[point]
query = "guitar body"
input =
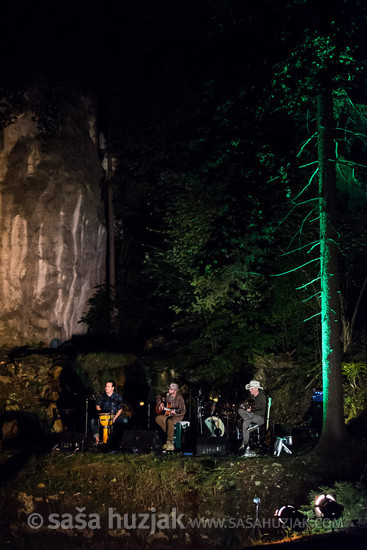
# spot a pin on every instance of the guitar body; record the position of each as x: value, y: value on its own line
x: 249, y: 405
x: 167, y: 410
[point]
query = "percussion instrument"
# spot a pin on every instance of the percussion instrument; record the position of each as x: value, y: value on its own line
x: 215, y: 426
x: 211, y: 409
x: 105, y: 420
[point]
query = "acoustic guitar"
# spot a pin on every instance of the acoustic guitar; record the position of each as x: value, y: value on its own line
x: 167, y: 409
x: 248, y: 405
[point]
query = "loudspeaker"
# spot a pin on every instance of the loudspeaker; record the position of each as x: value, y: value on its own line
x: 71, y: 441
x: 211, y: 446
x: 140, y: 441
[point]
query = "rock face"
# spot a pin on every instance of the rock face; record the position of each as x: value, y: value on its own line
x: 290, y: 386
x: 52, y: 231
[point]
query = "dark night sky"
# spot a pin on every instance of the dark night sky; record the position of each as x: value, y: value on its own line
x: 153, y: 49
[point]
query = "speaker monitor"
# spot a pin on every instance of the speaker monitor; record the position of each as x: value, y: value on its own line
x: 140, y: 441
x: 211, y: 446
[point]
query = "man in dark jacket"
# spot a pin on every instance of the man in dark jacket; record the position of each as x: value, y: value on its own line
x: 109, y: 402
x: 252, y: 411
x: 170, y: 409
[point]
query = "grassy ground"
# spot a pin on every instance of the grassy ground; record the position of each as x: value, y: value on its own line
x: 115, y: 493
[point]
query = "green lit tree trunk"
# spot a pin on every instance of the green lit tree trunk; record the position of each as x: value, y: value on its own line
x: 334, y: 430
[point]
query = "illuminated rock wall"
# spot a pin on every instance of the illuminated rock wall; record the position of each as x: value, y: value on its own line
x: 52, y: 232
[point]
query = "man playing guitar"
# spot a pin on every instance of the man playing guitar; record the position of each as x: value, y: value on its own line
x: 252, y: 411
x: 170, y: 409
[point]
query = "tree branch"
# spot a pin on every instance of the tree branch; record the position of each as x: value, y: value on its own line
x: 296, y: 268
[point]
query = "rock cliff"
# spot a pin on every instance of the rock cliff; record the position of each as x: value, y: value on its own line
x: 52, y: 231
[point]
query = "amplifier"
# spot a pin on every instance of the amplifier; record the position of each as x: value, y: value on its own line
x: 211, y: 446
x: 140, y: 441
x: 71, y: 441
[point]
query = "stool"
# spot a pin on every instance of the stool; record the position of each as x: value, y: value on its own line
x: 280, y: 444
x: 254, y: 439
x: 253, y: 426
x: 179, y: 429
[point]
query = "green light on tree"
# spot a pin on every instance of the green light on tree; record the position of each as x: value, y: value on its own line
x: 334, y: 431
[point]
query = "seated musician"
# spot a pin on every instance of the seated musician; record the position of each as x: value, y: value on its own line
x: 110, y: 402
x: 170, y: 409
x: 253, y: 410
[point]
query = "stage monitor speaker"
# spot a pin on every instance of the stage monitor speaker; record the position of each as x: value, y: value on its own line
x: 71, y: 441
x: 140, y: 441
x: 211, y: 446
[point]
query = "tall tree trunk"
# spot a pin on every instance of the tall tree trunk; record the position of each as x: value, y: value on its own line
x: 334, y: 430
x: 107, y: 164
x: 111, y: 268
x: 110, y: 227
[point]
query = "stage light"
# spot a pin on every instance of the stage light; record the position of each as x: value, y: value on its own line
x: 291, y: 518
x: 256, y: 531
x: 326, y: 507
x: 141, y: 403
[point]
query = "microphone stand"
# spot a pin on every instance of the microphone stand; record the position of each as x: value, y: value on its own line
x: 190, y: 404
x: 86, y: 416
x: 87, y: 413
x: 199, y: 413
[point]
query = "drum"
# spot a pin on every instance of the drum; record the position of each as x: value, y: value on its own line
x: 105, y: 420
x: 227, y: 409
x: 215, y: 426
x: 210, y: 408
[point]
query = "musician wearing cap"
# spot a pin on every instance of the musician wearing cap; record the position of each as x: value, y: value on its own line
x: 252, y: 411
x: 170, y: 409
